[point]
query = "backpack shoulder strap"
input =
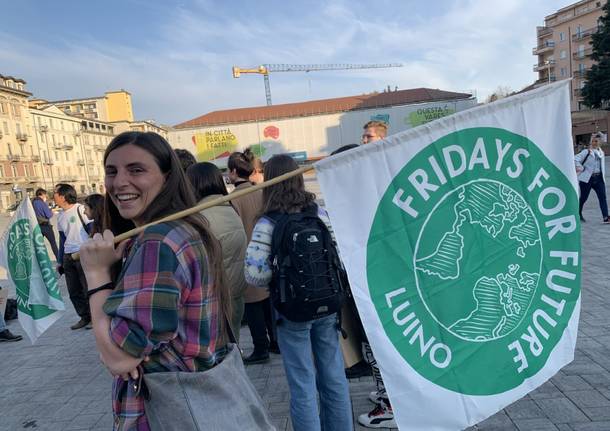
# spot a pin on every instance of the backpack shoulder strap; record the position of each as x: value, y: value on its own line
x: 586, y: 157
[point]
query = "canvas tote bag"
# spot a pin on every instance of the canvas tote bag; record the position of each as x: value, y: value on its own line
x: 219, y: 399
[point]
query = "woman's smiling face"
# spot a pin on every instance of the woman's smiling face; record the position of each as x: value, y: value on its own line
x: 133, y: 181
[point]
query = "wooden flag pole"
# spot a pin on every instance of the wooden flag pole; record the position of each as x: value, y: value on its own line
x: 206, y: 205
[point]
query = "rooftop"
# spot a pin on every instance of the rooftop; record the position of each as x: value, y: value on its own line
x: 324, y: 106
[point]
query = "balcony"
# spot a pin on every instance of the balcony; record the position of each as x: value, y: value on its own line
x: 58, y: 146
x: 548, y: 45
x: 68, y: 146
x: 80, y: 162
x: 48, y: 161
x: 580, y: 74
x: 577, y: 92
x: 580, y: 55
x: 33, y: 179
x: 23, y: 137
x: 35, y: 158
x: 13, y: 158
x: 545, y: 80
x: 99, y: 147
x: 544, y: 31
x: 583, y: 34
x: 549, y: 64
x: 44, y: 129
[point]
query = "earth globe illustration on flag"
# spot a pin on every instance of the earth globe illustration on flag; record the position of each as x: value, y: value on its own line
x: 479, y: 267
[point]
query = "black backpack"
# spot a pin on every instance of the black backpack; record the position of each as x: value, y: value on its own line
x: 308, y: 277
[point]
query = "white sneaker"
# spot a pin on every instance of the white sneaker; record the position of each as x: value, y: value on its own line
x: 377, y: 396
x: 380, y: 417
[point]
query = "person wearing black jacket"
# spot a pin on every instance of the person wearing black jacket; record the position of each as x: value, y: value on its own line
x: 44, y: 215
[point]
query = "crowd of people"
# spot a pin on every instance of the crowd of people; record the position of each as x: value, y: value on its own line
x: 173, y: 297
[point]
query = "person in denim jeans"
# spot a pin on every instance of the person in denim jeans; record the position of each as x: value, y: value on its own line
x: 591, y: 171
x: 310, y: 350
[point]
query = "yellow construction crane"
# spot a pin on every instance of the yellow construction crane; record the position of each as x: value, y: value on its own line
x: 266, y: 69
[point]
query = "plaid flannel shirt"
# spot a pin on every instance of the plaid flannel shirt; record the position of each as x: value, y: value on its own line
x: 163, y: 306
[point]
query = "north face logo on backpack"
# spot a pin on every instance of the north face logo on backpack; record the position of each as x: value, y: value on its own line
x: 312, y: 238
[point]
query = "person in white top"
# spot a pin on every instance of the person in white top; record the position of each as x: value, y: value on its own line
x: 591, y: 171
x: 71, y: 222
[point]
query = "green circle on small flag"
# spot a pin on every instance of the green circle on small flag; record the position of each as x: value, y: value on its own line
x: 26, y: 245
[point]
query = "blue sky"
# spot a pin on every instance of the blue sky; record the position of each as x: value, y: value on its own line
x: 175, y: 57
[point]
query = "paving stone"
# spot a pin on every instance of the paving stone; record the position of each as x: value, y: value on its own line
x: 591, y: 426
x: 590, y: 398
x: 535, y: 424
x: 524, y: 409
x: 597, y: 413
x: 569, y: 383
x: 561, y: 410
x: 498, y: 422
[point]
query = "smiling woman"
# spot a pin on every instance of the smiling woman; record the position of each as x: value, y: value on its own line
x: 158, y: 301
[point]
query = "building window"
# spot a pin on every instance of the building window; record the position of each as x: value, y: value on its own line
x: 3, y: 108
x: 67, y: 156
x: 562, y: 36
x: 6, y: 131
x: 581, y: 68
x: 18, y: 128
x: 562, y: 54
x: 1, y: 171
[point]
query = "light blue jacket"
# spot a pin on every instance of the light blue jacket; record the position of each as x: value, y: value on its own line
x: 585, y: 170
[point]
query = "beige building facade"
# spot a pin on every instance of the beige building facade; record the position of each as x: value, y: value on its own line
x: 140, y: 126
x: 43, y: 143
x: 71, y: 149
x: 112, y: 106
x: 19, y: 157
x: 563, y: 47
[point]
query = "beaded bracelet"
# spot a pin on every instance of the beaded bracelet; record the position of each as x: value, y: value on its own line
x: 107, y: 286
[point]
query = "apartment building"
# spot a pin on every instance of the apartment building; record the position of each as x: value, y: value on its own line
x: 563, y: 46
x: 70, y: 149
x: 140, y: 126
x: 19, y: 158
x: 112, y: 106
x: 43, y: 143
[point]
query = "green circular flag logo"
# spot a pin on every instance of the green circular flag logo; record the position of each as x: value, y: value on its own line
x: 473, y: 260
x: 26, y: 244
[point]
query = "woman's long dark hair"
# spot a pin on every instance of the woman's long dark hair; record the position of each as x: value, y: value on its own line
x: 206, y: 179
x: 175, y: 195
x: 288, y: 196
x: 95, y: 202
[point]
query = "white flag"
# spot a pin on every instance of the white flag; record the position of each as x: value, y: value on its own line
x: 24, y: 254
x: 462, y: 244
